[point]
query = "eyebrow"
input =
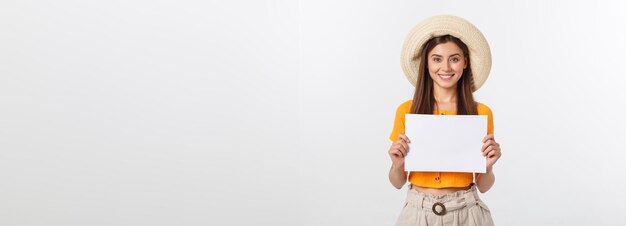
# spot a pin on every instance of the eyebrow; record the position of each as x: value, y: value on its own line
x: 436, y: 55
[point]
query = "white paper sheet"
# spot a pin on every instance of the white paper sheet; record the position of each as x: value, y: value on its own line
x: 445, y: 143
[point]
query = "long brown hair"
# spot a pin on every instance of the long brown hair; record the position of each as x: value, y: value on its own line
x: 424, y: 99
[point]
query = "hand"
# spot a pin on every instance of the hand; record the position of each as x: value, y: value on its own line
x: 491, y: 150
x: 399, y: 149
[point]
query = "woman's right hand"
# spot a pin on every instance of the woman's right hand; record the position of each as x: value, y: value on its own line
x: 399, y: 149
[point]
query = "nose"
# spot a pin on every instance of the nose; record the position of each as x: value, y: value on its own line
x: 446, y: 66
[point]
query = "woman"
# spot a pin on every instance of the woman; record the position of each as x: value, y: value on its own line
x: 447, y: 59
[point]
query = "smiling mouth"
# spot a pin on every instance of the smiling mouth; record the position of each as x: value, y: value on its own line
x: 446, y: 76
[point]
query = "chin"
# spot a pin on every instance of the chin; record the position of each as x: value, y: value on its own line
x: 446, y: 85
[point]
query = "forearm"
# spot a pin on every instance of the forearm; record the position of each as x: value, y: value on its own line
x: 397, y: 176
x: 484, y: 181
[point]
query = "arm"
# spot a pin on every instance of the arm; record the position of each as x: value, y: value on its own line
x: 397, y: 151
x: 491, y: 150
x: 484, y: 181
x: 397, y: 176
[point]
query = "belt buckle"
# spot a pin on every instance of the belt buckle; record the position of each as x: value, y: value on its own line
x: 443, y: 209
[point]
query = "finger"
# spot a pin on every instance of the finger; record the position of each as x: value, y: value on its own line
x: 486, y: 151
x: 401, y: 149
x: 405, y: 146
x: 488, y: 137
x: 402, y: 152
x: 487, y: 144
x: 394, y: 153
x: 399, y: 145
x: 494, y: 153
x: 394, y: 147
x: 404, y: 137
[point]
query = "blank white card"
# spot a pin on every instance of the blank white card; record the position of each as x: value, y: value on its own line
x: 445, y: 143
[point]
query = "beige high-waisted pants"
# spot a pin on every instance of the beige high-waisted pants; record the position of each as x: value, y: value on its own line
x: 460, y: 208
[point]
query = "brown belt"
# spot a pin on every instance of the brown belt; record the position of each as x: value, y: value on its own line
x: 440, y: 208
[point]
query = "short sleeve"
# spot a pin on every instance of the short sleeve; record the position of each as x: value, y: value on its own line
x: 484, y: 110
x: 398, y: 124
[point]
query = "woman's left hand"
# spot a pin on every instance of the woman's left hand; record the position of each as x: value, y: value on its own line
x: 491, y: 150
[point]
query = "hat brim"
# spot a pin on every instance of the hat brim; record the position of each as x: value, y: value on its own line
x: 479, y: 51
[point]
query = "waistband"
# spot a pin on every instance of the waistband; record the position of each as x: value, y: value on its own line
x: 442, y: 204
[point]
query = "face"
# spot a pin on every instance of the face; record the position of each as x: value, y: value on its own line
x: 446, y: 63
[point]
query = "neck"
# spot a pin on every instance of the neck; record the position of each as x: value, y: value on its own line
x: 443, y: 95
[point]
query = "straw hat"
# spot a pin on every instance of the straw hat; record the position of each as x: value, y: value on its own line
x: 480, y: 54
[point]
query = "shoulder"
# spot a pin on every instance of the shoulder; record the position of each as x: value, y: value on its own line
x: 483, y: 109
x: 405, y: 106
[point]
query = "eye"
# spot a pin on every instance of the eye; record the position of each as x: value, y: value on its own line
x: 437, y: 59
x: 455, y: 59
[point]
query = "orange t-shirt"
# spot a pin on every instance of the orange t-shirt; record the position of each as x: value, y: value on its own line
x: 437, y: 179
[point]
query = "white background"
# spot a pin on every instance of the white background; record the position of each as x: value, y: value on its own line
x: 278, y: 112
